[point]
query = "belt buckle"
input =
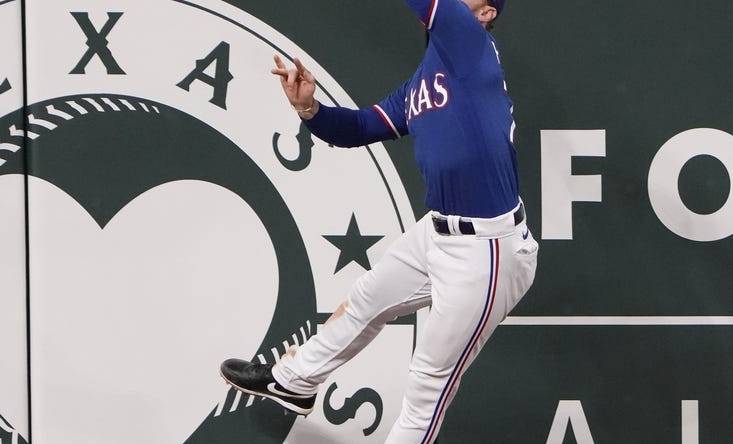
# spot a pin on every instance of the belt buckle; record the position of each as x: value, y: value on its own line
x: 435, y: 223
x: 437, y: 220
x: 519, y: 215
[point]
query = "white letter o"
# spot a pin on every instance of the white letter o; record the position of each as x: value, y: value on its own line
x: 664, y: 192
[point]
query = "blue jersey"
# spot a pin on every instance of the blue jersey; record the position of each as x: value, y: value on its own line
x: 456, y: 107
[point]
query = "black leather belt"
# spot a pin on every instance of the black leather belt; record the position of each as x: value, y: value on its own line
x: 466, y: 227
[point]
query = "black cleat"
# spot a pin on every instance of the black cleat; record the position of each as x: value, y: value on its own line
x: 256, y: 379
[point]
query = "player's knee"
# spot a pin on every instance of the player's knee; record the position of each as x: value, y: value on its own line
x: 364, y: 300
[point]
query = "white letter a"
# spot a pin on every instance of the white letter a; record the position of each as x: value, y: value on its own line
x: 569, y: 412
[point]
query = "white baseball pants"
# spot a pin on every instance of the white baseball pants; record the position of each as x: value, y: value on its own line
x: 472, y: 283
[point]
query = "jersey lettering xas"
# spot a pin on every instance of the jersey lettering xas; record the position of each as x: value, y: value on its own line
x: 457, y: 108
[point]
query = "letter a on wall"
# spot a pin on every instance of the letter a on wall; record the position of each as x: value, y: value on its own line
x: 569, y: 413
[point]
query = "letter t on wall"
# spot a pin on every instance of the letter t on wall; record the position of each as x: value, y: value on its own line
x: 560, y: 188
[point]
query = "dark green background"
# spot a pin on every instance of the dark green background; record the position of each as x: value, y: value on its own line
x: 643, y: 71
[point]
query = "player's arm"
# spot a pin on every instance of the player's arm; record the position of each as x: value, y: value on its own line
x: 340, y: 126
x: 454, y: 30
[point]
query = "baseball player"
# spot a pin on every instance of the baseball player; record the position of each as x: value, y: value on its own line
x: 471, y: 258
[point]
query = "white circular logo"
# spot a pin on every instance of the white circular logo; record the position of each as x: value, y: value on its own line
x: 181, y: 214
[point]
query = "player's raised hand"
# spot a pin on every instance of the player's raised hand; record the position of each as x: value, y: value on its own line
x: 297, y: 82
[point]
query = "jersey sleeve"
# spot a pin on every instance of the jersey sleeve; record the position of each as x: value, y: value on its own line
x: 391, y: 111
x: 344, y: 127
x: 456, y: 33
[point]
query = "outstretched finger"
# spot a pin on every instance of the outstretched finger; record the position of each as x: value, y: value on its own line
x: 300, y: 66
x: 280, y: 72
x: 278, y: 62
x: 304, y: 73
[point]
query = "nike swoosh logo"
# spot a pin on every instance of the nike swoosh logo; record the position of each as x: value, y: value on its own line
x: 525, y: 235
x: 271, y: 387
